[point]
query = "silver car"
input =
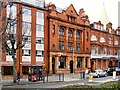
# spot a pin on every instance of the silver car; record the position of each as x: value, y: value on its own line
x: 98, y: 73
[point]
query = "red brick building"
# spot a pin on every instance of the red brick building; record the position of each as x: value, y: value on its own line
x: 75, y: 44
x: 63, y: 40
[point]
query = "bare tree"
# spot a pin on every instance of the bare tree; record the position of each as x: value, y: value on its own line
x: 10, y: 41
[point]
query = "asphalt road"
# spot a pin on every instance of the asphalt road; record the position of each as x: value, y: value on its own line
x: 96, y: 81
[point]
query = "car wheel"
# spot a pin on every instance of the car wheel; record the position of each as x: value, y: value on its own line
x: 98, y: 75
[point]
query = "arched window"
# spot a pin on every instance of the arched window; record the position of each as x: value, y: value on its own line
x: 94, y: 38
x: 102, y: 39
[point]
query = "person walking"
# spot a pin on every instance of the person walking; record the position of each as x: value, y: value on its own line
x: 18, y: 75
x: 40, y: 74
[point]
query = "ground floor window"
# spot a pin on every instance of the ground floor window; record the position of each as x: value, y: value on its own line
x: 7, y: 70
x: 104, y: 63
x: 98, y: 64
x: 25, y: 69
x: 62, y: 62
x: 79, y: 62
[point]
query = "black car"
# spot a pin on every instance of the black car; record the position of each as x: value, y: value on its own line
x: 113, y: 68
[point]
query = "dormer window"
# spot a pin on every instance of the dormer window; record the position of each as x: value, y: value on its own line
x: 99, y: 27
x: 110, y: 30
x: 71, y: 19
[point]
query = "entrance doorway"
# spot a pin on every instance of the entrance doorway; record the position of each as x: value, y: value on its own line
x: 53, y: 65
x: 110, y: 64
x: 92, y: 65
x: 71, y: 66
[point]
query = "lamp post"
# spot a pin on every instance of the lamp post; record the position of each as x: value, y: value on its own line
x: 73, y: 63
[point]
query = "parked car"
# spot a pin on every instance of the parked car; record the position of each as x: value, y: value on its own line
x: 98, y: 73
x: 113, y: 68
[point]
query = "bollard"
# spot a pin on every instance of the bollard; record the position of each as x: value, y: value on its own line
x: 43, y: 78
x: 59, y: 76
x: 90, y: 78
x: 47, y: 77
x: 63, y: 77
x: 114, y: 74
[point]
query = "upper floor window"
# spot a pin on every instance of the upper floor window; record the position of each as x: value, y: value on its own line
x: 116, y: 42
x: 102, y: 39
x: 87, y: 35
x: 26, y: 52
x: 95, y: 26
x: 110, y: 30
x: 61, y: 31
x: 26, y: 26
x: 102, y: 50
x: 70, y: 46
x: 93, y: 38
x: 39, y: 14
x: 53, y: 29
x: 70, y: 18
x: 99, y: 27
x: 61, y: 45
x: 78, y: 34
x: 78, y: 47
x: 39, y: 27
x: 26, y: 11
x: 39, y: 40
x: 94, y: 50
x: 110, y: 40
x: 70, y: 33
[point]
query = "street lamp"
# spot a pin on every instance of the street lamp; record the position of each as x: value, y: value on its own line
x: 73, y: 63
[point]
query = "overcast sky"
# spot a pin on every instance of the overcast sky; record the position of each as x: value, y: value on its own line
x: 93, y: 8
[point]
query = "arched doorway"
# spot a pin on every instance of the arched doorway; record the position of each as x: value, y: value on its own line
x: 92, y: 65
x: 110, y: 64
x: 71, y: 66
x: 53, y: 65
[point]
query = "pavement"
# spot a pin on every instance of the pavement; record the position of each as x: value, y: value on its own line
x: 55, y: 82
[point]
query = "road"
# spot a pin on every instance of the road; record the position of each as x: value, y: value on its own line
x: 96, y: 81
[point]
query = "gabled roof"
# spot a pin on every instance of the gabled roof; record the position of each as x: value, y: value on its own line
x: 71, y: 11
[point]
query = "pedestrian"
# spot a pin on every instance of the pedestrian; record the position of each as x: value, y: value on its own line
x: 18, y: 75
x: 40, y: 74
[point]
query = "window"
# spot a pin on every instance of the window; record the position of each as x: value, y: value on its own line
x: 53, y: 46
x: 94, y: 38
x: 104, y: 63
x: 61, y: 31
x: 78, y: 34
x: 102, y: 39
x: 98, y: 63
x: 26, y: 52
x: 39, y: 40
x: 61, y: 45
x: 26, y: 11
x: 70, y: 33
x: 12, y: 11
x: 62, y: 62
x: 39, y: 27
x: 110, y: 51
x: 102, y: 50
x: 70, y: 46
x: 99, y: 27
x: 38, y: 53
x: 26, y: 26
x: 77, y: 46
x: 40, y: 14
x: 79, y: 62
x: 110, y: 30
x: 86, y: 62
x: 95, y: 26
x: 110, y: 40
x: 116, y: 42
x: 87, y: 36
x: 70, y: 18
x: 53, y: 29
x: 94, y: 50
